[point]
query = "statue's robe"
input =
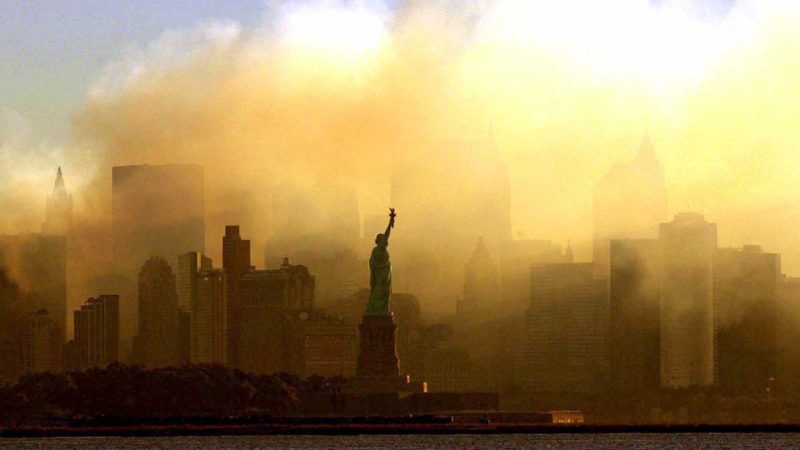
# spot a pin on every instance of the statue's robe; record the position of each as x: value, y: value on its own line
x: 380, y: 282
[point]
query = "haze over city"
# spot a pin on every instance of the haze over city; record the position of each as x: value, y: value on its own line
x: 616, y: 178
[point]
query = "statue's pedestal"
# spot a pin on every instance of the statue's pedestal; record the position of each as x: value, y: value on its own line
x: 378, y: 368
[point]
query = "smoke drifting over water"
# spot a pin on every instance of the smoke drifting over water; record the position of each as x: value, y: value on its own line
x: 326, y: 95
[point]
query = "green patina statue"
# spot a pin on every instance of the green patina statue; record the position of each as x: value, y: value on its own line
x: 380, y: 273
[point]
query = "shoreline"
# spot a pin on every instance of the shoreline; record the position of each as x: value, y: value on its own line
x: 385, y: 429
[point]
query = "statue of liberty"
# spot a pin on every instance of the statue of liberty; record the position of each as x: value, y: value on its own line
x: 380, y: 273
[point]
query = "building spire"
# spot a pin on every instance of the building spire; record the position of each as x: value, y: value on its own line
x: 59, y: 183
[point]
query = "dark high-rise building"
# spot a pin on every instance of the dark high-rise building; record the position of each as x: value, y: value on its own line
x: 189, y: 265
x: 480, y: 282
x: 634, y: 316
x: 629, y: 203
x: 209, y: 318
x: 58, y: 213
x: 271, y: 304
x: 155, y: 210
x: 687, y: 301
x: 157, y: 341
x: 42, y: 343
x: 38, y: 264
x: 96, y: 342
x: 235, y: 263
x: 330, y: 345
x: 565, y: 331
x: 788, y: 331
x: 746, y: 320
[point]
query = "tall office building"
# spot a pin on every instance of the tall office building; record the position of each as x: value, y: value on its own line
x: 156, y: 342
x: 480, y: 282
x: 42, y: 345
x: 746, y: 320
x: 58, y: 212
x: 565, y: 331
x: 189, y: 265
x: 629, y: 203
x: 687, y: 299
x: 516, y: 259
x: 272, y: 304
x: 634, y: 316
x: 235, y: 263
x: 96, y: 342
x: 329, y: 347
x: 155, y: 210
x: 209, y: 321
x: 38, y: 264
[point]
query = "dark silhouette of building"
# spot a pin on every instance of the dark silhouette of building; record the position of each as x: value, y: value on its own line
x: 330, y: 345
x: 58, y: 212
x: 155, y: 210
x: 38, y: 264
x: 156, y: 343
x: 788, y: 332
x: 565, y: 343
x: 189, y: 265
x: 271, y: 304
x: 209, y: 318
x: 41, y: 342
x: 481, y: 290
x: 96, y: 342
x: 687, y: 301
x: 629, y: 203
x: 438, y: 357
x: 634, y: 317
x: 235, y: 263
x: 746, y: 320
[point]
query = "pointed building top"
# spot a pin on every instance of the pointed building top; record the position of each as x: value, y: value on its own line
x: 646, y: 153
x: 59, y: 183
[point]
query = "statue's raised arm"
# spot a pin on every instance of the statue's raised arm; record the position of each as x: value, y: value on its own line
x: 389, y: 227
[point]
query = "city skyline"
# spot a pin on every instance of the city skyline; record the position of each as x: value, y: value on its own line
x: 473, y: 212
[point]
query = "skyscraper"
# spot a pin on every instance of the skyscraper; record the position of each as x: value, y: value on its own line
x: 189, y: 265
x: 96, y: 342
x: 480, y: 281
x: 746, y: 319
x: 58, y: 213
x: 629, y: 203
x: 634, y: 316
x: 156, y: 343
x: 272, y: 303
x: 209, y: 324
x: 687, y: 299
x: 235, y: 263
x: 42, y: 344
x: 38, y: 264
x: 516, y: 259
x: 565, y: 331
x: 154, y: 210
